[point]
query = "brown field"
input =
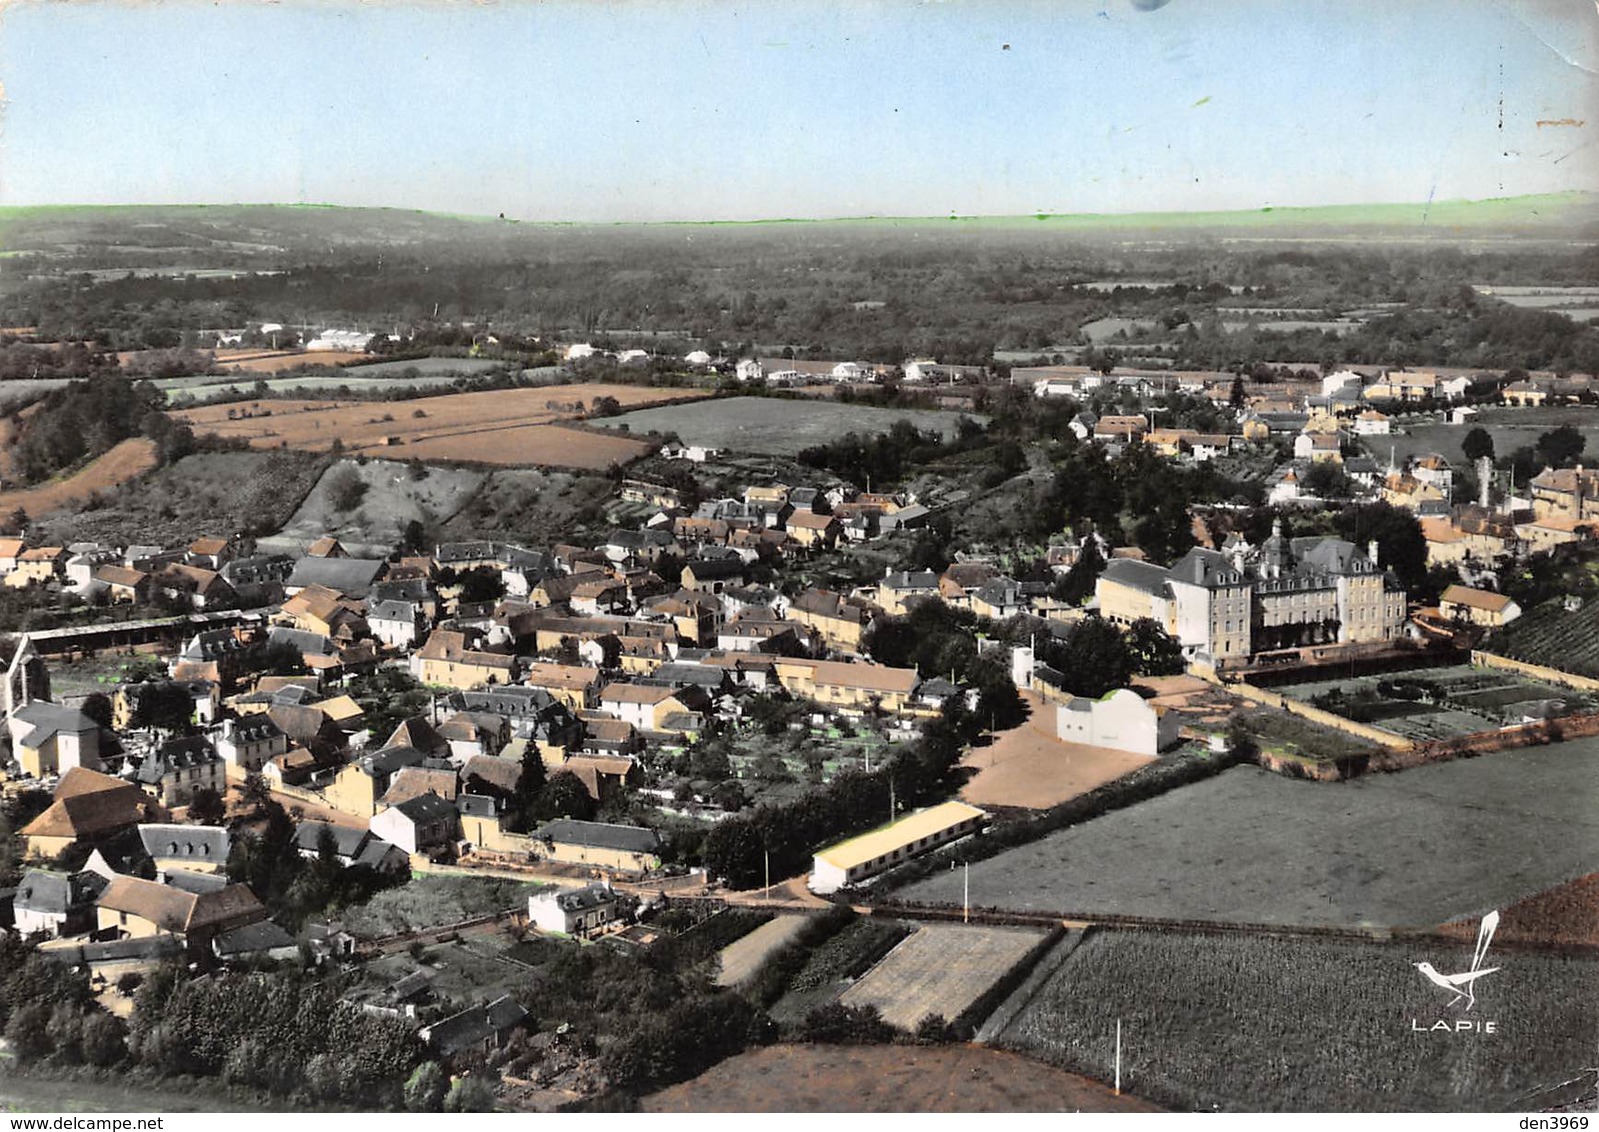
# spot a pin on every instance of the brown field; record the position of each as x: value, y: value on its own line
x: 1030, y: 768
x: 1564, y: 916
x: 940, y: 969
x: 129, y: 459
x: 795, y: 1078
x: 268, y: 361
x: 508, y: 427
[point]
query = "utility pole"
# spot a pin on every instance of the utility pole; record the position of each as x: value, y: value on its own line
x: 1118, y: 1057
x: 966, y: 892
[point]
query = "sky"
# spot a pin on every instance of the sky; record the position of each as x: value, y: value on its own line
x: 680, y: 110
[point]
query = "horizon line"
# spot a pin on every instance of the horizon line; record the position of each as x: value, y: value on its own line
x: 1564, y: 195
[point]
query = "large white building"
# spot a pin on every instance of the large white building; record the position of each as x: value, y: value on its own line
x: 1122, y: 720
x: 860, y: 858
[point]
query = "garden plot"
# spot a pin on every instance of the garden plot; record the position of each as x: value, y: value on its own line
x: 942, y: 969
x: 1437, y: 703
x: 1237, y: 1022
x: 1434, y: 843
x: 740, y: 960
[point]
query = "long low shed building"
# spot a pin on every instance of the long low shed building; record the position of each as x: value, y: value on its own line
x: 860, y: 858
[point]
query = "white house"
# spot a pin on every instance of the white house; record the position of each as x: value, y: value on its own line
x: 573, y: 911
x: 1122, y: 720
x: 580, y: 350
x: 850, y: 371
x: 249, y: 743
x: 1285, y: 488
x: 1372, y: 423
x: 396, y: 623
x: 633, y: 357
x: 352, y: 340
x: 1339, y: 381
x: 417, y: 824
x: 750, y: 369
x: 697, y: 358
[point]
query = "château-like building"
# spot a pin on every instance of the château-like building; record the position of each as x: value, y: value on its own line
x: 1237, y: 602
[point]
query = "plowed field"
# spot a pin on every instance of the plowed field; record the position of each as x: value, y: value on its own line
x: 508, y: 427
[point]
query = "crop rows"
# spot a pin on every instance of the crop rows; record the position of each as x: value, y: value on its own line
x: 1244, y: 1022
x: 1554, y: 637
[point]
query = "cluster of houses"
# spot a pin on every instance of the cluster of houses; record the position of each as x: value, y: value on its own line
x: 590, y: 661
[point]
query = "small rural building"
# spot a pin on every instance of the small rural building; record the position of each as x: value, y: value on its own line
x: 1121, y: 720
x: 140, y: 908
x: 860, y: 858
x: 48, y: 739
x: 1479, y: 607
x: 57, y: 904
x: 194, y: 848
x: 251, y: 742
x: 417, y: 824
x: 476, y: 1031
x: 625, y: 848
x: 88, y: 806
x: 573, y: 911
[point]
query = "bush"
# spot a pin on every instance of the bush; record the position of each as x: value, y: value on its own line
x: 837, y: 1024
x: 424, y: 1089
x: 346, y: 489
x: 470, y: 1094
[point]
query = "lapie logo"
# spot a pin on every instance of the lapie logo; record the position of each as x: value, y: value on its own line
x: 1463, y: 986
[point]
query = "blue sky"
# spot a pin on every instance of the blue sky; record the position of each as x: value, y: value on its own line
x: 655, y: 109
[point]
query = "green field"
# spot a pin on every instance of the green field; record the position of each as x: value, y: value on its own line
x: 1510, y: 429
x: 1431, y: 844
x: 779, y: 426
x: 1244, y: 1023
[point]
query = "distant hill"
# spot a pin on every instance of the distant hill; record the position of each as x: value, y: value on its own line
x: 239, y: 233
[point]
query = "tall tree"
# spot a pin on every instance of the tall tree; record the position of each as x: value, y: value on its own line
x: 1479, y: 442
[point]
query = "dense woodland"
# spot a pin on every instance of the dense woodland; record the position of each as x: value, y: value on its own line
x: 875, y: 292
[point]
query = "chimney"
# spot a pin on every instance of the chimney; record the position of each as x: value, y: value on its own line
x: 1371, y: 553
x: 1484, y: 479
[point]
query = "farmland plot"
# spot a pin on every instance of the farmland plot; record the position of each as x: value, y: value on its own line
x: 1553, y: 636
x: 774, y: 425
x: 888, y: 1079
x: 1239, y: 1022
x: 1432, y: 844
x: 941, y: 969
x: 1510, y: 429
x: 739, y: 961
x: 508, y: 427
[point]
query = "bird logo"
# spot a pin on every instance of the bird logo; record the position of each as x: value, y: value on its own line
x: 1462, y: 986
